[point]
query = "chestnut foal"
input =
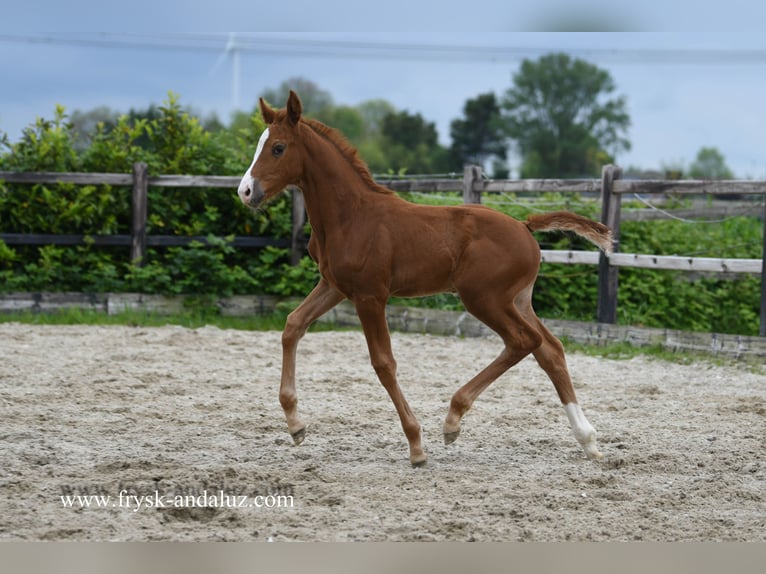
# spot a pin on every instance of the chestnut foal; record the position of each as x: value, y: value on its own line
x: 370, y: 244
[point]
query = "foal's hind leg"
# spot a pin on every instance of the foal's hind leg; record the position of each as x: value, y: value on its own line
x: 520, y: 338
x: 321, y: 299
x: 550, y: 356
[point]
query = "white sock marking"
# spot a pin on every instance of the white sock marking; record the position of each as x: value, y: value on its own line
x: 583, y: 431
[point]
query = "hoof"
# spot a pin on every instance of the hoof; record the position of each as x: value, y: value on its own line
x: 298, y: 436
x: 450, y: 437
x: 593, y: 453
x: 418, y: 462
x: 591, y: 450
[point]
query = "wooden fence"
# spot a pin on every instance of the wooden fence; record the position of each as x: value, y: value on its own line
x: 611, y: 188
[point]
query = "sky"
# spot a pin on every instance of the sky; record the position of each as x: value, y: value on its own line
x: 693, y: 86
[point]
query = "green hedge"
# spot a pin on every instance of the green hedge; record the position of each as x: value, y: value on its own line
x: 176, y: 143
x: 173, y: 143
x: 670, y: 299
x: 649, y: 298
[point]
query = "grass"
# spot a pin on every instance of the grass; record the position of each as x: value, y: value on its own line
x: 625, y: 351
x: 191, y: 319
x: 194, y: 319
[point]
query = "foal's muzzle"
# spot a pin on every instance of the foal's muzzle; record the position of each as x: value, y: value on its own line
x: 251, y: 193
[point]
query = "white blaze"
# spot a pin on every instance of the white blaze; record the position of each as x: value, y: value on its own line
x: 247, y: 179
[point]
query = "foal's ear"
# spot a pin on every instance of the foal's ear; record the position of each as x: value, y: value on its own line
x: 294, y: 107
x: 267, y: 113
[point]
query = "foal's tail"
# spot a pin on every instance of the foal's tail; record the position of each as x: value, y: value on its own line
x: 597, y: 233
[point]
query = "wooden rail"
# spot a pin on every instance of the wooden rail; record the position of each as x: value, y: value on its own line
x: 611, y: 188
x: 138, y: 240
x: 659, y: 262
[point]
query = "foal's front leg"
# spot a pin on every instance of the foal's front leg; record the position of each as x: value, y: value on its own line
x: 372, y: 314
x: 321, y: 299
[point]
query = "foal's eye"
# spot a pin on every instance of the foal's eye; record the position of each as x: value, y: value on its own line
x: 278, y: 149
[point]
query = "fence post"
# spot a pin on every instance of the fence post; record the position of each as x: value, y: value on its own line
x: 471, y: 174
x: 139, y: 203
x: 762, y: 331
x: 297, y: 243
x: 607, y: 274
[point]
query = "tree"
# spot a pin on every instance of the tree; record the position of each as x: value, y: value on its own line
x: 559, y: 114
x: 480, y: 135
x: 373, y: 112
x: 412, y: 144
x: 372, y: 143
x: 315, y: 100
x: 710, y: 164
x: 409, y: 130
x: 347, y: 120
x: 363, y: 125
x: 85, y: 123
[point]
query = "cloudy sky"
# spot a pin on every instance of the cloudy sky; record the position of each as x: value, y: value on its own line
x: 685, y: 89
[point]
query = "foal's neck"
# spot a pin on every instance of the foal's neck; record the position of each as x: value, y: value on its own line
x: 334, y: 188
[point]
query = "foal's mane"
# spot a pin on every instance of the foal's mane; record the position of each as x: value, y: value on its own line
x: 347, y: 150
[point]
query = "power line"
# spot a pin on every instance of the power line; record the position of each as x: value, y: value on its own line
x: 352, y: 49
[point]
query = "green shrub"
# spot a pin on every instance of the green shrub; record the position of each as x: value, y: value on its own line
x: 174, y: 142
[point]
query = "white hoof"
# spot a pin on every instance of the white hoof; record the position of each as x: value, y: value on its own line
x: 591, y: 450
x: 583, y: 431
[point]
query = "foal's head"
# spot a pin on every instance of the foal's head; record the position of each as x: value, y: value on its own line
x: 277, y: 162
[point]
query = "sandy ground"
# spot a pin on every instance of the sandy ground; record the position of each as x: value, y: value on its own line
x: 189, y: 420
